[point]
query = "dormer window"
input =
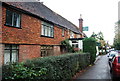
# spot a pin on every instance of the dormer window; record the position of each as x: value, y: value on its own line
x: 12, y: 19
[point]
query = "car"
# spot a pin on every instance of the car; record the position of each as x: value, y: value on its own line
x: 111, y: 54
x: 115, y: 66
x: 118, y: 51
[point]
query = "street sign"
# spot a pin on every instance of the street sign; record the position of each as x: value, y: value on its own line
x: 85, y: 28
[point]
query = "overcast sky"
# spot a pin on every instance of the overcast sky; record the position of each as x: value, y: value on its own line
x: 98, y: 15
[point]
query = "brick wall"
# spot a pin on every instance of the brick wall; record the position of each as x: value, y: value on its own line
x: 1, y: 54
x: 28, y: 52
x: 30, y: 32
x: 29, y: 36
x: 57, y: 50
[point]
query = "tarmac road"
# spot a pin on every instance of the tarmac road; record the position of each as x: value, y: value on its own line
x: 98, y: 72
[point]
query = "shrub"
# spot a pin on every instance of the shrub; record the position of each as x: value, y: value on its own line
x: 117, y: 45
x: 20, y: 71
x: 53, y: 68
x: 67, y: 45
x: 89, y: 45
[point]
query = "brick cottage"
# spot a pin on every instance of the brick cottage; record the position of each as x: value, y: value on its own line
x: 31, y: 30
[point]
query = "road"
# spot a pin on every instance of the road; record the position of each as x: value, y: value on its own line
x: 98, y: 71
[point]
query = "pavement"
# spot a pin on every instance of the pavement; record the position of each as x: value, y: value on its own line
x: 97, y: 58
x: 99, y: 71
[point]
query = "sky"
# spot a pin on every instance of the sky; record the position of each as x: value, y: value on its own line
x: 98, y: 15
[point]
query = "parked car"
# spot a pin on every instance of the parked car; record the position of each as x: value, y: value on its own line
x: 111, y: 54
x: 118, y: 51
x: 107, y: 50
x: 115, y: 66
x: 112, y: 49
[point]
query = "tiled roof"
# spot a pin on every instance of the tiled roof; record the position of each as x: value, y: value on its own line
x: 44, y: 12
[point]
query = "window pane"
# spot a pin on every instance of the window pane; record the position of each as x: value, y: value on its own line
x: 48, y: 31
x: 6, y: 56
x: 51, y: 32
x: 16, y: 20
x: 7, y: 46
x: 14, y: 55
x: 45, y: 30
x: 9, y: 16
x: 42, y: 30
x: 14, y: 46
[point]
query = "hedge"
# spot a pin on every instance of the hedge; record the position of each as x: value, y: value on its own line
x: 53, y: 68
x: 89, y: 45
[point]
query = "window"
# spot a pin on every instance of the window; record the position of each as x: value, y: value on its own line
x: 74, y: 41
x: 46, y: 51
x: 75, y: 45
x: 12, y: 19
x: 47, y: 30
x: 63, y: 32
x: 10, y: 54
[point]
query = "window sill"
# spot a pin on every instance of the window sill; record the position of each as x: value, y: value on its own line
x: 46, y: 36
x: 13, y: 26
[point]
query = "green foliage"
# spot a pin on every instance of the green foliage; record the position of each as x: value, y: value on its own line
x: 67, y: 46
x: 20, y: 71
x: 53, y: 68
x: 89, y: 45
x: 117, y: 45
x: 98, y: 36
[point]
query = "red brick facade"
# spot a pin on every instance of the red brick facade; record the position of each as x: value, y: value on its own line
x: 30, y: 32
x: 28, y: 37
x: 28, y: 52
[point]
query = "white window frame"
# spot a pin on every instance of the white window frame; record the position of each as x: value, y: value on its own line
x: 47, y: 29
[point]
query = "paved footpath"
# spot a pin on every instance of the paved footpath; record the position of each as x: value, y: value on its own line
x: 98, y: 71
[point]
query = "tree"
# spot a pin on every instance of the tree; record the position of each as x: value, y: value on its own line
x: 100, y: 41
x: 117, y: 36
x: 99, y: 37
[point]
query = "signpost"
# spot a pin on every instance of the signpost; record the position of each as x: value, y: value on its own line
x: 85, y: 28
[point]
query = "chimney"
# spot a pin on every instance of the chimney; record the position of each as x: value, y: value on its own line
x: 80, y: 23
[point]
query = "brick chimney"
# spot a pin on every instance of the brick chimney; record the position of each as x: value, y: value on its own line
x: 80, y: 23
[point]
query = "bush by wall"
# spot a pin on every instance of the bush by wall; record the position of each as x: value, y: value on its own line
x: 117, y: 45
x: 67, y: 45
x: 20, y: 71
x: 89, y: 45
x: 53, y: 68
